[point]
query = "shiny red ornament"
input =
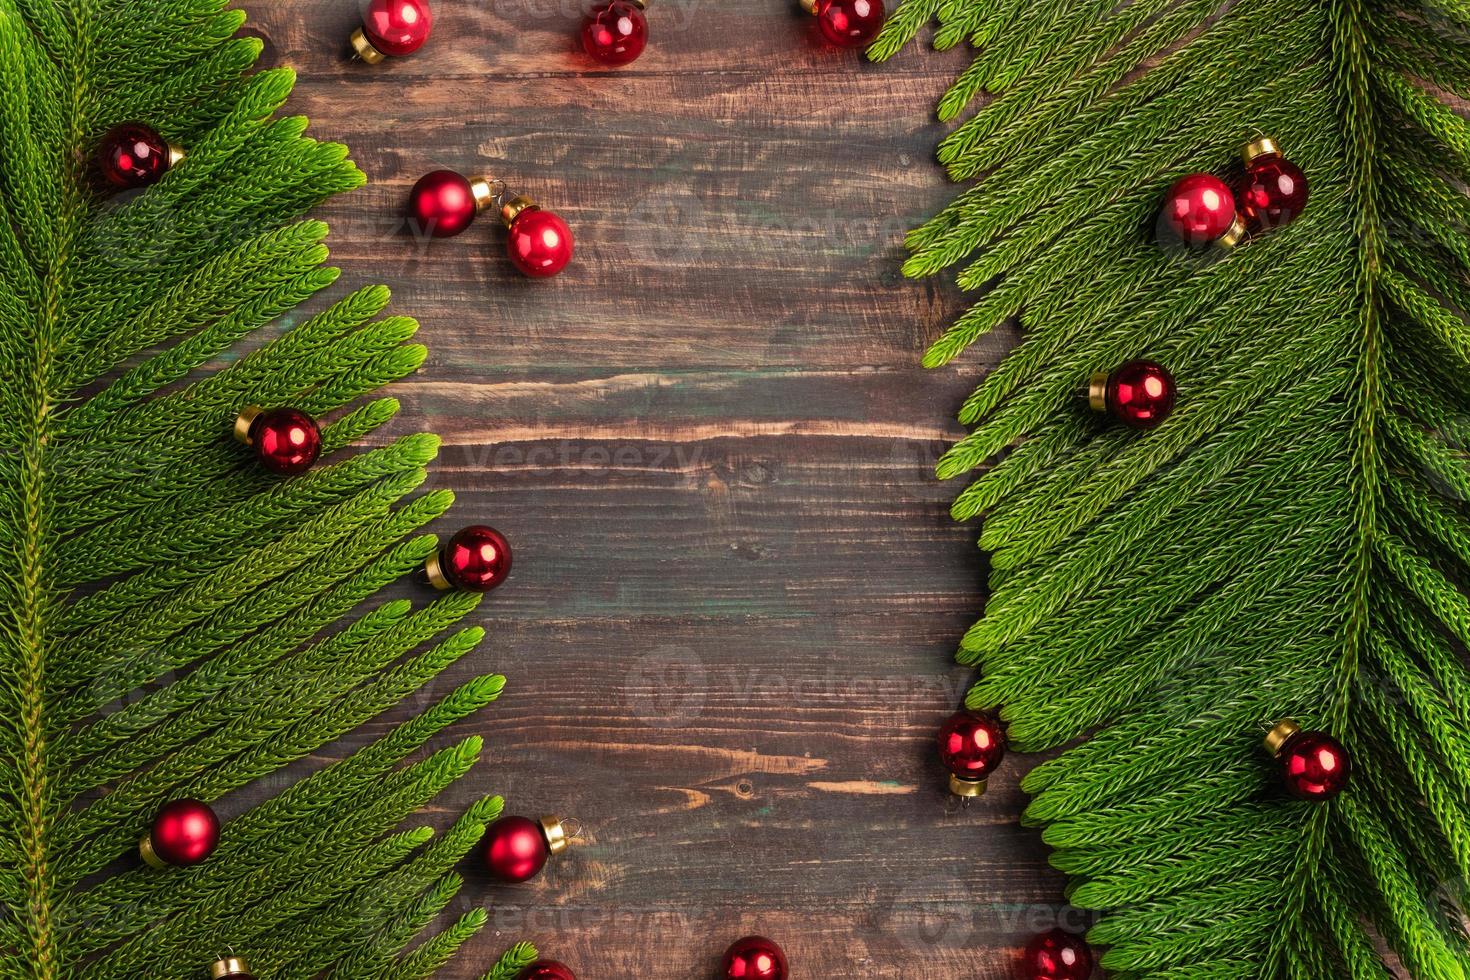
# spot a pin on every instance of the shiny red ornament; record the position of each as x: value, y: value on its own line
x: 1273, y: 191
x: 971, y: 746
x: 184, y: 833
x: 1200, y: 209
x: 547, y: 970
x: 286, y: 441
x: 133, y: 155
x: 847, y: 23
x: 540, y: 243
x: 615, y: 32
x: 1140, y: 394
x: 392, y: 27
x: 476, y: 559
x: 754, y: 958
x: 515, y: 849
x: 1056, y: 955
x: 442, y: 204
x: 1314, y: 765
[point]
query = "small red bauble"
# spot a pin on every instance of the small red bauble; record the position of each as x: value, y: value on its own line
x: 971, y: 746
x: 1056, y: 955
x: 847, y: 23
x: 1140, y: 394
x: 615, y: 32
x: 1200, y: 210
x: 547, y: 970
x: 286, y: 441
x: 516, y: 848
x: 392, y: 27
x: 1314, y: 765
x: 134, y: 155
x: 754, y: 958
x: 540, y: 243
x: 184, y: 833
x: 1273, y: 191
x: 442, y: 204
x: 476, y: 559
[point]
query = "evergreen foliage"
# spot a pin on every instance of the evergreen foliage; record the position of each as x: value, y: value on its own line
x: 174, y: 621
x: 1294, y: 541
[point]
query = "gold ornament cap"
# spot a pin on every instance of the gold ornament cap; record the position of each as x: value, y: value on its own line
x: 512, y: 208
x: 483, y: 188
x: 364, y: 49
x: 175, y: 155
x: 1280, y: 734
x: 244, y: 420
x: 230, y: 967
x: 966, y: 787
x: 149, y: 855
x: 1233, y: 236
x: 1263, y: 147
x: 1097, y: 391
x: 556, y: 834
x: 435, y: 571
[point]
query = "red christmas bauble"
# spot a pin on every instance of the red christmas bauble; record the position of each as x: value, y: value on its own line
x: 184, y: 833
x: 441, y: 204
x: 1056, y: 955
x: 754, y: 958
x: 397, y: 27
x: 971, y: 745
x: 1200, y: 209
x: 476, y: 558
x: 615, y: 33
x: 540, y: 243
x: 1140, y: 394
x: 285, y: 440
x: 132, y: 155
x: 1272, y: 192
x: 1314, y: 766
x: 548, y: 970
x: 515, y: 848
x: 849, y: 23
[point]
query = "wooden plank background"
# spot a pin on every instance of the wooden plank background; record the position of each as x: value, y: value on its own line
x: 728, y: 634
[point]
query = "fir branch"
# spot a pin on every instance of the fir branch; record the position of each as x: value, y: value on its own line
x: 176, y: 622
x: 1294, y: 541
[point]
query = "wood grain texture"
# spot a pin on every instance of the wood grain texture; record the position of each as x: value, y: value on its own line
x: 737, y: 589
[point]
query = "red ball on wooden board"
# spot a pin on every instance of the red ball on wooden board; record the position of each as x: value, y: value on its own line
x: 754, y: 958
x: 539, y: 243
x: 476, y: 558
x: 615, y: 32
x: 547, y: 970
x: 392, y: 28
x: 1200, y: 210
x: 515, y: 848
x: 442, y: 204
x: 847, y: 23
x: 1056, y: 955
x: 184, y: 833
x: 132, y: 155
x: 971, y: 746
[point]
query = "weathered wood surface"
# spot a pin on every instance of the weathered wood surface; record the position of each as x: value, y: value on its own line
x: 737, y: 588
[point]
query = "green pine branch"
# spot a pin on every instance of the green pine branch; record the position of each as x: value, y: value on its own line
x: 176, y: 622
x: 1294, y: 540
